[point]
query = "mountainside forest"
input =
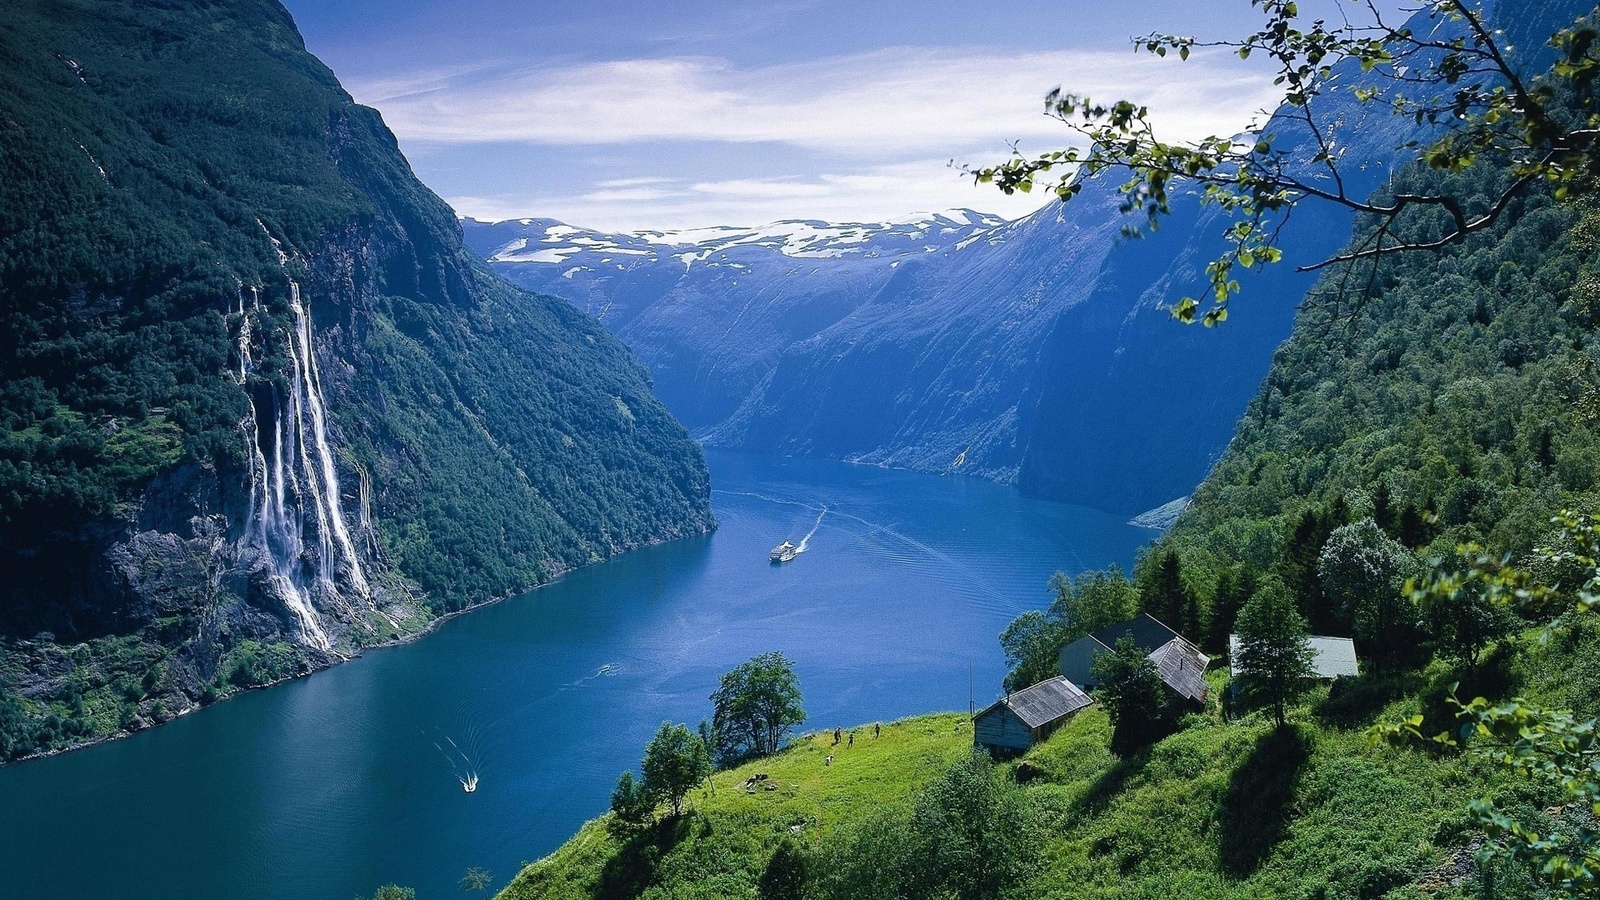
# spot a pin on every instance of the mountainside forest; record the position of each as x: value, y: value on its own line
x: 258, y: 406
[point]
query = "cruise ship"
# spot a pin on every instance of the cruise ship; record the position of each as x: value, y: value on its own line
x: 784, y: 552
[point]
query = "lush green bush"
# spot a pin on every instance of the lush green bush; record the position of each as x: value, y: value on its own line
x: 754, y: 708
x: 1129, y: 689
x: 1087, y: 603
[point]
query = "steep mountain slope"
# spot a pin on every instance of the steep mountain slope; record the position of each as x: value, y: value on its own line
x: 714, y: 309
x: 1466, y: 385
x: 1039, y: 354
x: 260, y: 407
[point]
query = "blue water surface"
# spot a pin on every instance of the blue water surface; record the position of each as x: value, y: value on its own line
x: 331, y: 785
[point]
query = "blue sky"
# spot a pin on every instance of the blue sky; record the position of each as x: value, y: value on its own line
x: 631, y: 115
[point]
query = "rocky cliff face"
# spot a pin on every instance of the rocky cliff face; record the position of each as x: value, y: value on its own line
x: 1038, y: 352
x: 260, y: 407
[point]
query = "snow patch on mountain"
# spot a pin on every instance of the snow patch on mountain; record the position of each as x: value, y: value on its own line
x: 549, y: 242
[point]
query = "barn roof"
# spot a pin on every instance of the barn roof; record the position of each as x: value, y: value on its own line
x: 1045, y: 702
x: 1179, y: 662
x: 1183, y: 667
x: 1147, y: 632
x: 1335, y: 656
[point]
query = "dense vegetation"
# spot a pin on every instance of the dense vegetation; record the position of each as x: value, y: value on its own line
x: 1458, y: 400
x: 1442, y: 400
x: 154, y: 162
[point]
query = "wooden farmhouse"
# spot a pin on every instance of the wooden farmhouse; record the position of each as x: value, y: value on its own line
x: 1334, y: 657
x: 1179, y: 662
x: 1018, y: 721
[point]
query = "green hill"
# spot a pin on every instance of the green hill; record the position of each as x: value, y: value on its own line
x: 723, y: 846
x: 1463, y: 384
x: 258, y: 407
x: 1221, y: 809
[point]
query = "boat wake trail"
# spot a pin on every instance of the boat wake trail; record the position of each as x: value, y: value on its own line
x: 805, y: 541
x: 464, y: 764
x: 606, y: 671
x: 980, y: 587
x: 765, y: 498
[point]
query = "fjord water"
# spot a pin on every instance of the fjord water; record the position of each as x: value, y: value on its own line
x: 331, y: 785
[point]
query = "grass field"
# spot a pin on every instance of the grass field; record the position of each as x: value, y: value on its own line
x: 725, y: 844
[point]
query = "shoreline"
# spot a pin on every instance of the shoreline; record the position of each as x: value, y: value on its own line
x: 401, y: 640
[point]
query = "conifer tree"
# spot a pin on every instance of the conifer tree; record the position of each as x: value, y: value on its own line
x: 1235, y: 586
x: 1274, y: 659
x: 1299, y: 566
x: 1163, y: 594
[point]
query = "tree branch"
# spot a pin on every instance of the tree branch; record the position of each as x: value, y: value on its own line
x: 1463, y: 227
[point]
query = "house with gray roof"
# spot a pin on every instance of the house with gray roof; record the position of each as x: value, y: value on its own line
x: 1335, y: 657
x: 1178, y: 661
x: 1017, y: 721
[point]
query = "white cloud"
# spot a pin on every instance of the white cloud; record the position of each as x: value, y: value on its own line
x: 767, y: 188
x: 882, y: 104
x: 631, y: 182
x: 863, y: 137
x: 870, y: 194
x: 628, y: 195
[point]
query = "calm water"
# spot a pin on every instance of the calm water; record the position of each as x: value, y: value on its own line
x: 331, y: 785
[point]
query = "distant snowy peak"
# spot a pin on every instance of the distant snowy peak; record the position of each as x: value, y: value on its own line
x: 547, y: 241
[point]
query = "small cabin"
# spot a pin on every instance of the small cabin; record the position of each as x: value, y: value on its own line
x: 1017, y: 721
x: 1178, y: 661
x: 1332, y: 657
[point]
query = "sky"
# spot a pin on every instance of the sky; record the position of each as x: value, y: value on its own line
x: 630, y: 115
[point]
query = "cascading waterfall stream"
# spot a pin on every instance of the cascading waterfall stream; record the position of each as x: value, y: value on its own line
x: 245, y: 362
x: 275, y: 530
x: 324, y: 491
x: 295, y: 485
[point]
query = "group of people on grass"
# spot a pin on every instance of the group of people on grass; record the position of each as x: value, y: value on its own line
x: 850, y: 739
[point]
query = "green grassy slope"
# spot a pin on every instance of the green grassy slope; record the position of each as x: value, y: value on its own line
x: 1221, y: 809
x: 722, y: 848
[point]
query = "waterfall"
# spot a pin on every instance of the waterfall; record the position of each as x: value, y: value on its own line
x: 324, y: 491
x: 245, y: 362
x: 274, y: 527
x: 294, y: 486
